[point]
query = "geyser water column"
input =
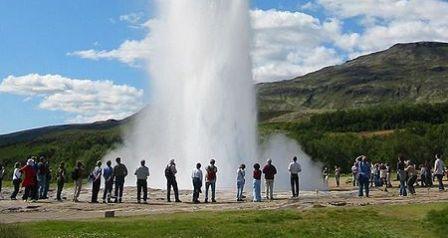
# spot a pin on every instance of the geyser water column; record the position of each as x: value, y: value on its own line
x: 202, y: 94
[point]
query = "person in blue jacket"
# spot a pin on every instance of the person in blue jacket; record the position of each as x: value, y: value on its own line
x: 364, y: 173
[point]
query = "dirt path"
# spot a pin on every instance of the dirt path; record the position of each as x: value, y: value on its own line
x: 20, y: 211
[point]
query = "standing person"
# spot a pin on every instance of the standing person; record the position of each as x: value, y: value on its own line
x: 108, y: 175
x: 96, y: 181
x: 120, y: 172
x: 210, y: 180
x: 294, y: 169
x: 240, y: 181
x: 337, y: 175
x: 428, y: 178
x: 355, y: 170
x: 41, y: 177
x: 2, y: 173
x: 170, y: 174
x: 402, y: 176
x: 439, y: 171
x: 48, y: 178
x: 412, y: 176
x: 383, y: 176
x: 269, y: 171
x: 388, y: 176
x: 257, y: 183
x: 364, y: 173
x: 197, y: 182
x: 16, y: 180
x: 142, y: 174
x: 29, y: 181
x: 325, y: 176
x: 61, y: 179
x: 77, y: 175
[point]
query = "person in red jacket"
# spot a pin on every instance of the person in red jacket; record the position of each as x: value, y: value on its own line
x: 29, y: 181
x: 269, y: 171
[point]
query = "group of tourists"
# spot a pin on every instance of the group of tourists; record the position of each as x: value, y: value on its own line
x: 35, y: 177
x: 367, y: 175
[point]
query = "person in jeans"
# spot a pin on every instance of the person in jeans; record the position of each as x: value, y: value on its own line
x: 120, y: 172
x: 402, y: 176
x: 170, y: 174
x: 364, y: 173
x: 257, y: 183
x: 210, y: 180
x: 197, y: 182
x: 42, y: 177
x: 240, y: 181
x: 108, y: 175
x: 16, y: 180
x: 294, y: 169
x: 61, y: 179
x: 412, y: 176
x: 439, y: 171
x: 142, y: 174
x: 269, y: 171
x: 77, y: 175
x: 96, y: 181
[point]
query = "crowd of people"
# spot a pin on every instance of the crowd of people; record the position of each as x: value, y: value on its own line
x: 35, y: 177
x: 367, y: 175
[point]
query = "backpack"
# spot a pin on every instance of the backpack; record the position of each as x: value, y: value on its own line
x: 211, y: 175
x: 168, y: 173
x: 75, y: 174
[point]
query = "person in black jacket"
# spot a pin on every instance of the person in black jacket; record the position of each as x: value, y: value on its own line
x: 120, y: 172
x: 170, y: 174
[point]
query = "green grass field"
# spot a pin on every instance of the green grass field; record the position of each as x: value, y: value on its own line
x: 422, y: 220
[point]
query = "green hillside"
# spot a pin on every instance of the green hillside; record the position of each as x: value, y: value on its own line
x: 405, y: 73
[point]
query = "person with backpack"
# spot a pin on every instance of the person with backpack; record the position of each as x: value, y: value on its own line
x: 77, y: 175
x: 210, y: 180
x: 120, y: 172
x: 294, y: 169
x: 269, y: 171
x: 364, y: 174
x: 170, y: 174
x: 108, y: 175
x: 95, y: 176
x: 197, y: 182
x: 29, y: 181
x: 16, y: 180
x: 240, y: 181
x: 60, y: 179
x: 257, y: 183
x: 142, y: 174
x: 41, y: 177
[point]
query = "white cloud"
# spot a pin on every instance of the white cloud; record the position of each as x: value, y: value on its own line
x: 85, y: 100
x: 134, y: 18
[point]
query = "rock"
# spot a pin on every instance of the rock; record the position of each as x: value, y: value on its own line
x: 109, y: 214
x: 338, y: 203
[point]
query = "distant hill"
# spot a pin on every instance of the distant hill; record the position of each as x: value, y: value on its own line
x: 405, y: 73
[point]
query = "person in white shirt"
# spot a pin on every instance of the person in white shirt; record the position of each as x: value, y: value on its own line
x: 439, y: 171
x: 142, y: 174
x: 295, y: 168
x: 197, y: 182
x: 16, y: 180
x: 240, y: 181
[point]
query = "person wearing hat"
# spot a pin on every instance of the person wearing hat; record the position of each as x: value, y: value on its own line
x: 269, y: 171
x: 170, y: 174
x: 210, y: 180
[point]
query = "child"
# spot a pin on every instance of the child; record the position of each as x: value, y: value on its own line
x: 257, y: 183
x: 240, y: 181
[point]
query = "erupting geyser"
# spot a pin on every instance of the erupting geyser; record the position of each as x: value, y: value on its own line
x: 202, y: 93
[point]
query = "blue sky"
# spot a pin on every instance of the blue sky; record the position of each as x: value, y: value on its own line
x: 58, y: 59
